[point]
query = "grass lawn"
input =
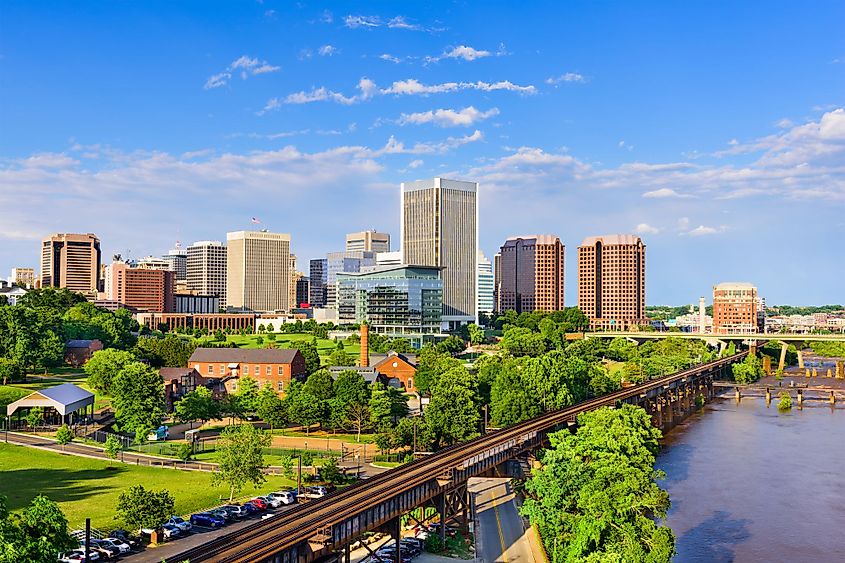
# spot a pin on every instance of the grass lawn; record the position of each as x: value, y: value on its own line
x: 351, y: 438
x: 86, y: 487
x: 10, y: 394
x: 283, y: 340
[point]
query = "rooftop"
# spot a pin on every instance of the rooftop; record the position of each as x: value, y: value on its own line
x: 611, y: 239
x: 244, y: 355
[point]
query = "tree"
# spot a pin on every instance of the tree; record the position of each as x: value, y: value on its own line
x: 58, y: 299
x: 199, y: 404
x: 320, y: 385
x: 596, y: 498
x: 747, y: 371
x: 339, y: 357
x: 104, y: 365
x: 451, y: 345
x: 387, y: 405
x: 476, y: 334
x: 310, y: 353
x: 510, y: 399
x: 36, y: 534
x: 247, y: 396
x: 520, y: 341
x: 452, y: 415
x: 302, y: 407
x: 64, y: 435
x: 430, y: 364
x: 270, y: 408
x: 351, y: 387
x: 140, y: 508
x: 170, y: 351
x: 112, y: 446
x: 34, y: 417
x: 240, y: 457
x: 330, y: 472
x: 10, y: 370
x: 138, y: 399
x: 357, y: 418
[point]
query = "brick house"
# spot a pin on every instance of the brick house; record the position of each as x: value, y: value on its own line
x: 77, y: 352
x: 396, y: 370
x: 178, y: 382
x: 268, y: 366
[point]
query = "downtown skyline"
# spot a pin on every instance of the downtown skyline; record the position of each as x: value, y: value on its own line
x: 725, y: 153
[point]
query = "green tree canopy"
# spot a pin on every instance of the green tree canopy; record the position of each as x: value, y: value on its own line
x: 104, y: 365
x: 351, y: 387
x: 34, y: 535
x: 310, y: 353
x: 138, y: 399
x: 140, y: 508
x: 452, y: 416
x: 270, y: 407
x: 387, y: 405
x: 240, y: 457
x: 198, y: 405
x: 339, y: 357
x: 320, y: 385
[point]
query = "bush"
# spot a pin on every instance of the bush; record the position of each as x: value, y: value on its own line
x: 785, y: 403
x: 433, y: 543
x: 185, y: 452
x: 64, y: 435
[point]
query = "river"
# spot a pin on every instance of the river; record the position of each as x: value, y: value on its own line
x: 750, y: 484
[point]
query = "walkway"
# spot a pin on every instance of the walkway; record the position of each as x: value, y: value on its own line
x: 501, y: 536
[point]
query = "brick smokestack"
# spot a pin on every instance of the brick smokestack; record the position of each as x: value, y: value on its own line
x: 364, y: 361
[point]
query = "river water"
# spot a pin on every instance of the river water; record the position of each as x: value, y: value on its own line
x: 750, y: 484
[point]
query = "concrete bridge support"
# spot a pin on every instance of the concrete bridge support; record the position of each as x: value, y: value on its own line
x: 800, y: 359
x: 767, y: 365
x: 782, y: 361
x: 840, y: 369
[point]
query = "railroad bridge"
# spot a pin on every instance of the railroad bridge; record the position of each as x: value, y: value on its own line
x: 325, y: 528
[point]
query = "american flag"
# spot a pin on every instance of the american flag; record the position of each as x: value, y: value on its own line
x: 256, y: 221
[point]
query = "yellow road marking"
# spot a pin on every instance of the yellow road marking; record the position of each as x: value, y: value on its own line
x: 499, y: 526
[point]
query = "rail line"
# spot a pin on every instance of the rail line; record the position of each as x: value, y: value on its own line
x: 267, y: 538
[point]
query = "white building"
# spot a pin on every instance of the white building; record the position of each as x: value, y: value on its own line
x: 258, y: 269
x: 439, y: 227
x: 205, y: 269
x: 368, y: 241
x: 486, y: 285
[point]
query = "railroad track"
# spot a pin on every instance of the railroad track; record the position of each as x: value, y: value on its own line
x: 266, y: 538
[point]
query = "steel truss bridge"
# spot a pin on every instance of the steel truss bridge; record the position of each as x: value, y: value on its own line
x: 325, y: 528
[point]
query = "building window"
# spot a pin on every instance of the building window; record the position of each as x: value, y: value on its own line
x: 246, y: 370
x: 222, y: 369
x: 234, y: 386
x: 281, y: 386
x: 410, y: 382
x: 210, y: 369
x: 281, y: 370
x: 269, y: 370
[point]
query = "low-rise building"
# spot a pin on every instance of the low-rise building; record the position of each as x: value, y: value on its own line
x: 209, y: 322
x: 178, y: 382
x: 77, y: 352
x: 268, y: 366
x: 392, y: 369
x: 12, y: 294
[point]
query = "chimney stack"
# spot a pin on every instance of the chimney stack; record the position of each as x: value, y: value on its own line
x: 364, y: 361
x: 701, y: 310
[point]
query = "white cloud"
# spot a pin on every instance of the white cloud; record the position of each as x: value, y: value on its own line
x: 415, y: 163
x: 566, y: 77
x: 246, y: 65
x: 701, y: 230
x: 400, y: 22
x: 327, y: 17
x: 327, y: 50
x: 646, y: 229
x: 397, y: 147
x: 447, y: 117
x: 461, y: 52
x: 372, y: 22
x: 354, y: 22
x: 623, y: 145
x: 390, y: 58
x: 784, y: 123
x: 661, y: 193
x: 366, y: 86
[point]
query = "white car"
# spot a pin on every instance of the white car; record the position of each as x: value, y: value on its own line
x: 181, y: 523
x: 284, y: 497
x: 117, y: 544
x: 78, y: 555
x: 271, y: 500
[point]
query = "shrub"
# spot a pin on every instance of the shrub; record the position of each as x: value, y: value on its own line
x: 785, y: 403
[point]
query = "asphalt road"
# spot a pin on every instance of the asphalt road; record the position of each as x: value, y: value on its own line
x: 500, y: 533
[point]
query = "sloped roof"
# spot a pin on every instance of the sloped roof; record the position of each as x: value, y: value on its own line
x: 244, y: 355
x: 65, y: 398
x: 378, y: 359
x: 79, y: 343
x: 174, y: 373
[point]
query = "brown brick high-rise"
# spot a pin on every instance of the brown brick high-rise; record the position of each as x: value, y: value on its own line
x: 71, y: 261
x: 611, y: 281
x: 531, y: 274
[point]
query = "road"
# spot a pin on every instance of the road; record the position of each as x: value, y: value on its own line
x: 501, y: 537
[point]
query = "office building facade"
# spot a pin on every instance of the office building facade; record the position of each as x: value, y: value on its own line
x: 205, y: 269
x: 486, y: 285
x: 141, y: 289
x: 735, y: 308
x: 303, y: 287
x: 368, y: 241
x: 319, y: 271
x: 177, y: 260
x: 345, y: 262
x: 71, y: 261
x: 439, y: 222
x: 611, y: 281
x: 531, y: 272
x: 258, y: 271
x: 397, y: 302
x: 23, y: 277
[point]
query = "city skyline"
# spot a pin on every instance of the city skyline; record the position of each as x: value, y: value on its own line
x: 566, y: 129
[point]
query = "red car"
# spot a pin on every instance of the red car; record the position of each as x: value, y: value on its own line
x: 259, y: 504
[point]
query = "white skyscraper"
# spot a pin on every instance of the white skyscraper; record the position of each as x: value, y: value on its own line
x: 486, y: 285
x: 205, y: 266
x: 439, y: 226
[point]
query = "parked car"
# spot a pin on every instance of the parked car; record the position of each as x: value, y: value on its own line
x: 206, y: 520
x: 413, y: 545
x: 260, y: 503
x: 224, y: 515
x: 78, y: 555
x: 179, y: 522
x: 235, y: 510
x: 250, y: 508
x: 106, y: 551
x: 312, y: 493
x: 270, y: 501
x: 284, y: 497
x: 170, y: 531
x: 125, y: 537
x: 119, y: 545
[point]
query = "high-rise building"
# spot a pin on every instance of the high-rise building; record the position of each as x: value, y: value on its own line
x: 177, y: 258
x: 531, y: 274
x: 497, y: 276
x: 153, y: 263
x: 143, y: 289
x: 258, y: 271
x: 345, y: 262
x: 23, y: 277
x: 71, y: 261
x: 303, y: 287
x: 439, y: 222
x: 369, y: 241
x: 319, y: 272
x: 292, y: 281
x: 486, y: 285
x: 393, y: 258
x: 735, y: 308
x: 396, y: 301
x: 611, y: 281
x: 205, y: 269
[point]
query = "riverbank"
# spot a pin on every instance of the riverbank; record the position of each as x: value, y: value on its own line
x: 749, y: 483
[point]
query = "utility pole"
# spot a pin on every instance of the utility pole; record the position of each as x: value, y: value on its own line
x: 87, y: 539
x: 299, y: 477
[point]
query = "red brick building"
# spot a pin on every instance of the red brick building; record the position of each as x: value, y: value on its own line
x: 396, y: 370
x: 77, y: 352
x: 268, y: 366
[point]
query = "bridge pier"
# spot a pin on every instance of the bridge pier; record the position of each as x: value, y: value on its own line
x: 767, y: 364
x: 800, y: 359
x: 782, y: 362
x: 840, y: 369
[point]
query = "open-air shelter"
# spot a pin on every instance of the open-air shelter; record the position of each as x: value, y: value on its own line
x: 72, y: 403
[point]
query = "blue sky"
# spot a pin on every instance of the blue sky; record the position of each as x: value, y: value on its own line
x: 715, y: 130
